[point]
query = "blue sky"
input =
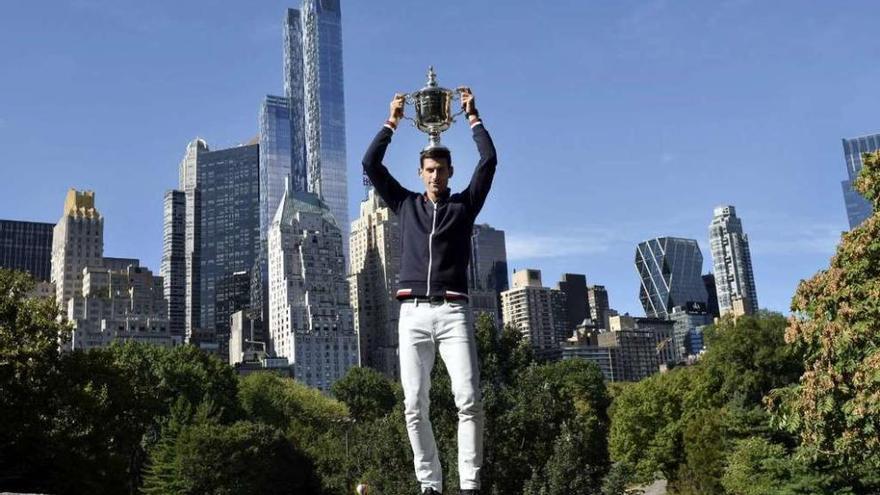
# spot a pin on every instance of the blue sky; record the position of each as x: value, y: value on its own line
x: 615, y: 121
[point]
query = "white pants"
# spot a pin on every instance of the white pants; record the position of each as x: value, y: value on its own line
x: 424, y: 328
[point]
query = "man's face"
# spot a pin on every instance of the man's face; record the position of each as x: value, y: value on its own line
x: 435, y: 174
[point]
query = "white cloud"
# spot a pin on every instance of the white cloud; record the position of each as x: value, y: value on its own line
x: 523, y: 245
x: 794, y: 236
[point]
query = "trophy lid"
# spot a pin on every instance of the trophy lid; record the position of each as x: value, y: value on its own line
x: 432, y: 85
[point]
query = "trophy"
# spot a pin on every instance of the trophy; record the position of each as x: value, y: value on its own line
x: 433, y: 109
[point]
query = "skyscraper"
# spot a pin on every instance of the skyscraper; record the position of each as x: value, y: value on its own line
x: 373, y: 277
x: 232, y: 294
x: 214, y: 221
x: 192, y: 228
x: 229, y: 228
x: 173, y: 269
x: 488, y: 266
x: 577, y: 302
x: 858, y: 209
x: 670, y: 270
x: 294, y: 91
x: 105, y: 299
x: 313, y: 85
x: 27, y: 246
x: 734, y: 279
x: 276, y: 167
x: 709, y: 283
x: 310, y: 320
x: 597, y: 297
x: 538, y: 312
x: 77, y: 242
x: 487, y: 271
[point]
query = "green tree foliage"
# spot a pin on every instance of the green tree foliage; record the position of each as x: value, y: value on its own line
x: 242, y: 458
x: 287, y: 404
x: 29, y: 364
x: 319, y: 424
x: 677, y: 424
x: 366, y: 392
x: 836, y: 406
x: 747, y: 359
x: 79, y: 422
x: 646, y: 424
x: 757, y: 466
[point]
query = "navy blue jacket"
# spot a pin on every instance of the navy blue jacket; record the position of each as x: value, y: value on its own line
x: 435, y: 237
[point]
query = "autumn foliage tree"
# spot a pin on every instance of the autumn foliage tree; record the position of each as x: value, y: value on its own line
x: 836, y: 406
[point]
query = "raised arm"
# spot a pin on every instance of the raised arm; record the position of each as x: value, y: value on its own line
x: 481, y: 181
x: 387, y: 186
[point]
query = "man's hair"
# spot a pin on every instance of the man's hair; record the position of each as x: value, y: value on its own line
x: 438, y: 153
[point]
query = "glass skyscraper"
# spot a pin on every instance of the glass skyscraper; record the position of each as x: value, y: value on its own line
x: 597, y: 297
x: 229, y: 227
x: 858, y: 209
x: 670, y: 269
x: 488, y: 266
x: 732, y: 258
x: 275, y: 156
x: 294, y: 91
x: 323, y: 101
x: 574, y: 286
x: 173, y: 268
x: 27, y: 247
x: 277, y: 166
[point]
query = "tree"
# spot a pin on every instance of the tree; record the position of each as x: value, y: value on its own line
x: 757, y: 466
x: 836, y: 321
x: 647, y: 421
x: 677, y: 423
x: 241, y: 458
x: 29, y: 368
x: 79, y: 422
x: 317, y: 423
x: 366, y: 392
x: 747, y: 358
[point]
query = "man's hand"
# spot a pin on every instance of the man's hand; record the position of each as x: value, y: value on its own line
x: 468, y: 104
x: 397, y: 104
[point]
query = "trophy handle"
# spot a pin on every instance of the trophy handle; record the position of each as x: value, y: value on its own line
x: 456, y: 96
x: 410, y: 99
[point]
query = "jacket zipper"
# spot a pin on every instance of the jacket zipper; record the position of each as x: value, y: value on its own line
x: 430, y: 250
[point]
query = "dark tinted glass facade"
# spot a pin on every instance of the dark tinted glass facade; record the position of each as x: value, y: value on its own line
x: 232, y: 294
x: 174, y: 259
x: 27, y: 247
x: 597, y: 297
x: 229, y: 207
x: 577, y: 302
x: 488, y: 267
x: 709, y: 284
x: 670, y: 270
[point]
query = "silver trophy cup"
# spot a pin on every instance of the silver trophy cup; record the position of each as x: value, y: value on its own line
x: 433, y: 109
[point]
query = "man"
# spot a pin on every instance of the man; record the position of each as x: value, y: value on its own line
x: 435, y: 315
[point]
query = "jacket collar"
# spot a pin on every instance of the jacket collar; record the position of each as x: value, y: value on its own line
x: 444, y: 196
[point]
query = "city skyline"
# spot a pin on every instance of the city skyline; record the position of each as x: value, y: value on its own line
x: 790, y: 195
